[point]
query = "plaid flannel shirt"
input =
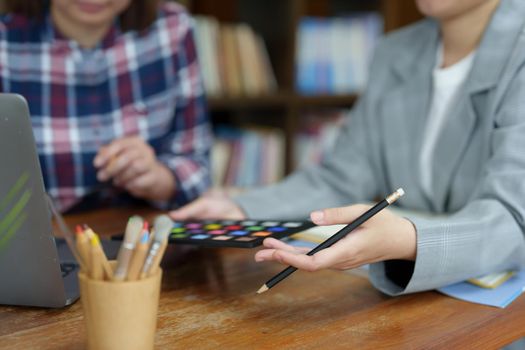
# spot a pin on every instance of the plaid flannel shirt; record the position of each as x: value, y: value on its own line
x: 145, y: 84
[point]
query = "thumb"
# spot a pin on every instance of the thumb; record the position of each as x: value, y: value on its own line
x: 340, y: 215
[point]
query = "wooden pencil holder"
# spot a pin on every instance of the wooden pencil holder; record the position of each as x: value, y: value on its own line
x: 120, y: 315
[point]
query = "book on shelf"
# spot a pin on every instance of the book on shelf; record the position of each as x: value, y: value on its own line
x: 230, y: 61
x: 333, y: 54
x: 316, y: 136
x: 206, y: 42
x: 247, y: 157
x: 233, y: 58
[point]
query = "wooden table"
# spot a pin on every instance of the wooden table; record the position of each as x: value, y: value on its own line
x: 208, y: 301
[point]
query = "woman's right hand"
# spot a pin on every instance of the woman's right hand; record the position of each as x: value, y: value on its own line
x: 214, y: 204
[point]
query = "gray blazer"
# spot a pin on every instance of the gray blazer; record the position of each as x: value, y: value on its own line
x: 479, y: 164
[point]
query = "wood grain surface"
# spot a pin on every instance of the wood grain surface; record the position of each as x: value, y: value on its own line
x: 208, y: 301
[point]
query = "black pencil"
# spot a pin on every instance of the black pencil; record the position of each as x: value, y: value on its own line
x: 335, y: 237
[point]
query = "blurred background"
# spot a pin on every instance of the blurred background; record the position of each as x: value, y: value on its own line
x: 280, y: 75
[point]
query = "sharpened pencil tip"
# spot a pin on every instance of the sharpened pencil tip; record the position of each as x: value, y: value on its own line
x: 262, y: 289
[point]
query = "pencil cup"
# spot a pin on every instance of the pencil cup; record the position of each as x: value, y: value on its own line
x: 120, y: 315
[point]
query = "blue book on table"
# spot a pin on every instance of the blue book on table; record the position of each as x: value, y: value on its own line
x: 500, y: 296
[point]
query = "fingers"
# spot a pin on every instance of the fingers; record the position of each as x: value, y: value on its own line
x: 189, y: 211
x: 268, y: 254
x: 209, y: 208
x: 342, y: 255
x: 341, y: 215
x: 264, y: 255
x: 124, y: 159
x: 384, y: 237
x: 109, y: 152
x: 273, y: 243
x: 294, y: 256
x: 326, y: 258
x: 302, y: 261
x: 119, y: 164
x: 134, y: 169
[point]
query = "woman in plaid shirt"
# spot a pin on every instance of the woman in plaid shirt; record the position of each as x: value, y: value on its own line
x: 115, y: 96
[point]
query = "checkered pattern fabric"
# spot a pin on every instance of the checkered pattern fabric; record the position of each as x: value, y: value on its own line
x: 145, y: 84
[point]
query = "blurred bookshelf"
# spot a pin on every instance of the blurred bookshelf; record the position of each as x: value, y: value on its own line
x: 253, y: 53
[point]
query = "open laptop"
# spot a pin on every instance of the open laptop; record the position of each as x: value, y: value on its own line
x: 35, y: 269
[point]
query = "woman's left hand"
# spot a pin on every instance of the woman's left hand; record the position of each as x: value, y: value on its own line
x: 132, y: 165
x: 385, y: 236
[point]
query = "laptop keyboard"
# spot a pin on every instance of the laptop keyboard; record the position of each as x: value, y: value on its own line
x: 67, y: 268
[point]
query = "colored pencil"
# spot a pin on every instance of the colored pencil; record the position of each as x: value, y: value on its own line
x: 96, y: 270
x: 335, y: 237
x: 108, y: 271
x: 82, y: 244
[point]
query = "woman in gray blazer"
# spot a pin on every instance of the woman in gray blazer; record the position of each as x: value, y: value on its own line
x: 443, y: 116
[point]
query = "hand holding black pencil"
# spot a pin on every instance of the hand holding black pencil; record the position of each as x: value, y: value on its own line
x: 336, y: 237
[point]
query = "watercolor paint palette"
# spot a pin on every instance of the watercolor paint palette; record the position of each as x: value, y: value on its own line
x: 230, y: 233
